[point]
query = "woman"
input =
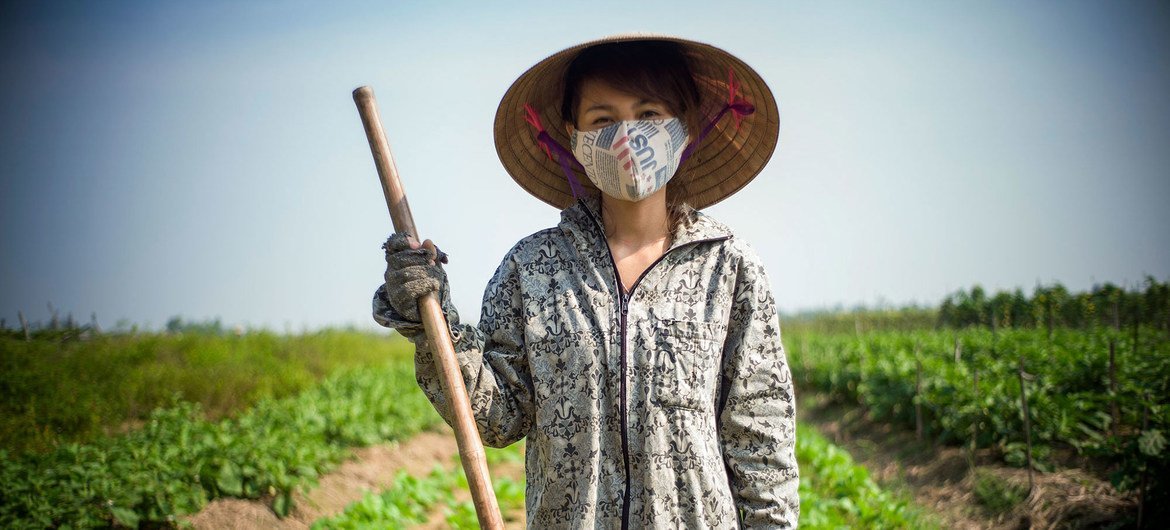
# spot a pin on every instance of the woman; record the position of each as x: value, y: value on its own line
x: 636, y: 344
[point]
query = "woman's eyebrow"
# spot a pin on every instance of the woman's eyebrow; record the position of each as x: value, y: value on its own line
x: 640, y: 103
x: 599, y: 106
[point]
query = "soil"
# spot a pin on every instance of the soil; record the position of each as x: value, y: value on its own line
x: 942, y: 479
x: 369, y: 469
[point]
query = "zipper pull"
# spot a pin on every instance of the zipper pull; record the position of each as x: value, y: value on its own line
x: 625, y: 303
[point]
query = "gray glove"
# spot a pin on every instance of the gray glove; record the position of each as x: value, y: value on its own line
x: 412, y: 273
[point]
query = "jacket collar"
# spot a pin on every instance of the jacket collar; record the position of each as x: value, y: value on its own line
x: 583, y: 221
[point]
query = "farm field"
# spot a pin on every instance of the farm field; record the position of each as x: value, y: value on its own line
x: 178, y: 459
x: 1055, y: 410
x: 964, y: 388
x: 73, y: 385
x: 908, y: 419
x: 266, y: 458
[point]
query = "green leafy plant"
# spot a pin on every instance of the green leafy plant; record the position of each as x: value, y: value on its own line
x: 974, y: 397
x: 179, y: 460
x: 409, y: 500
x: 836, y: 493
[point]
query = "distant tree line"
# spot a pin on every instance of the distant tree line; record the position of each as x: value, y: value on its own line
x: 67, y: 328
x: 176, y: 324
x: 1052, y: 306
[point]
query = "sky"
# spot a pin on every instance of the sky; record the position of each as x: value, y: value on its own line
x: 206, y: 160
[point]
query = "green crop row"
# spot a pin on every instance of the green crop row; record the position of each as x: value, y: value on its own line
x: 837, y: 493
x: 411, y: 500
x: 974, y: 397
x: 54, y: 392
x: 179, y: 460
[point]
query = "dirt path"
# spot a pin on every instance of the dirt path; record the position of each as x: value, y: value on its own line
x: 371, y: 468
x: 940, y: 478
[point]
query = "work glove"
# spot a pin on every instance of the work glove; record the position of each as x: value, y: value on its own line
x: 412, y: 271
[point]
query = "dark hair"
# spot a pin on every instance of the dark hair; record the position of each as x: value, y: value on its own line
x: 657, y: 70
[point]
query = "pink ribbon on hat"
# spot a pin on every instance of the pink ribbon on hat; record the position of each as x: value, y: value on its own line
x: 739, y: 108
x: 564, y: 157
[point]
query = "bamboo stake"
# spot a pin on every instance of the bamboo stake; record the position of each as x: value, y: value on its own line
x: 1114, y: 409
x: 978, y: 418
x: 918, y: 393
x: 1142, y: 488
x: 1137, y: 318
x: 1027, y: 425
x: 467, y: 435
x: 24, y: 326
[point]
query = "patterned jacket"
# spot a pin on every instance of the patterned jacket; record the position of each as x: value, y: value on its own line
x: 668, y: 407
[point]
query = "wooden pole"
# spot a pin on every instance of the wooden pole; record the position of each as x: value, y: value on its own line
x: 1114, y: 409
x: 918, y: 430
x: 466, y: 434
x: 1137, y: 318
x: 978, y: 416
x: 1027, y: 425
x: 24, y: 325
x: 1142, y: 487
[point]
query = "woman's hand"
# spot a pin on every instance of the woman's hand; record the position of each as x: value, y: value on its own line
x: 413, y: 269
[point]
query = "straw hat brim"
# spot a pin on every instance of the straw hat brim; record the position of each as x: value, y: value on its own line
x: 726, y: 161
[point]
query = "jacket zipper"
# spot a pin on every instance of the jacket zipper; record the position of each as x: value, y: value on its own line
x: 624, y: 300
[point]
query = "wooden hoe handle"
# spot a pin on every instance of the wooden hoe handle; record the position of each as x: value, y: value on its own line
x: 470, y: 446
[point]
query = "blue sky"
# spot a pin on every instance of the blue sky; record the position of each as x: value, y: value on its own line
x: 205, y: 159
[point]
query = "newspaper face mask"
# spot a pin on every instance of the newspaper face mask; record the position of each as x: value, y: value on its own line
x: 630, y: 160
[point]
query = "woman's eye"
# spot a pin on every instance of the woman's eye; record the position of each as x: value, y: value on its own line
x: 650, y: 114
x: 601, y: 121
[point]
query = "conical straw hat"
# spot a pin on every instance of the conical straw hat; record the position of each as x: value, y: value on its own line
x: 726, y: 160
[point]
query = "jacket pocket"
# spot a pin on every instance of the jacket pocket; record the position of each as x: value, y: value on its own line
x: 685, y: 364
